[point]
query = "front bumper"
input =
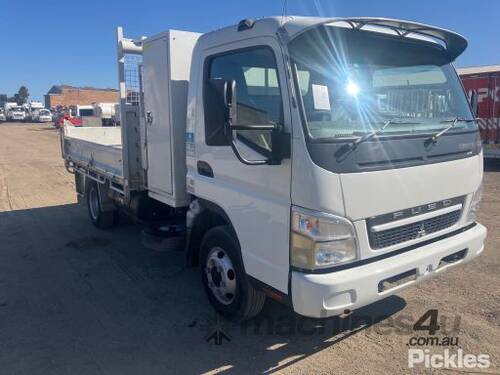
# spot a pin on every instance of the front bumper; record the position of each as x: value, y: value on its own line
x: 330, y: 294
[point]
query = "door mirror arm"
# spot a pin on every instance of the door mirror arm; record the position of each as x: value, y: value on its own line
x: 279, y: 137
x: 231, y: 126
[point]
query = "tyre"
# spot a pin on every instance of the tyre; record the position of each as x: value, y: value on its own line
x: 224, y: 278
x: 101, y: 219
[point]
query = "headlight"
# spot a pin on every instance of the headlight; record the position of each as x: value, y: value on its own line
x: 320, y: 240
x: 474, y: 205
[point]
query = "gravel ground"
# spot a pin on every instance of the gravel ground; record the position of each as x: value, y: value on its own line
x: 76, y: 300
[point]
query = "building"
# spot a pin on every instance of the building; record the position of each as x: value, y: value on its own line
x: 66, y: 96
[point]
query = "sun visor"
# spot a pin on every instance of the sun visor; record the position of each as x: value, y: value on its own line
x: 452, y: 43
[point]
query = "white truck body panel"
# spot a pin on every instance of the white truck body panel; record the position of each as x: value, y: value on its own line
x: 97, y: 148
x: 256, y: 199
x: 84, y: 110
x: 395, y: 189
x: 36, y: 105
x: 9, y: 105
x: 167, y: 63
x: 105, y: 110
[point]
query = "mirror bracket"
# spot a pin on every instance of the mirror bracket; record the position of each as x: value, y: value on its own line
x: 226, y: 91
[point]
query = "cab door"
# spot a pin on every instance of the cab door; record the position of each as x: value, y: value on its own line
x: 255, y: 198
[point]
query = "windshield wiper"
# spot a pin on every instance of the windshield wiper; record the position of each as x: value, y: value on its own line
x: 345, y: 150
x: 368, y: 136
x: 454, y: 121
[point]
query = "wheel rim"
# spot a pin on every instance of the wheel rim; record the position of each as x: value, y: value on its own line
x: 221, y: 276
x: 93, y: 203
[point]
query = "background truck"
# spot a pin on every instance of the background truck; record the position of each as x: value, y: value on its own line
x: 14, y: 112
x: 485, y: 81
x: 32, y: 109
x: 82, y: 110
x: 323, y: 162
x: 86, y: 115
x: 106, y: 112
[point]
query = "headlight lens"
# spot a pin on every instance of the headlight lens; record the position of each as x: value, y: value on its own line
x: 474, y: 205
x: 321, y: 240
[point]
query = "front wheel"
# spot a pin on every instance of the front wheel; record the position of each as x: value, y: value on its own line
x: 224, y: 277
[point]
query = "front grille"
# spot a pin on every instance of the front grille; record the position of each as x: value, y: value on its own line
x: 413, y: 231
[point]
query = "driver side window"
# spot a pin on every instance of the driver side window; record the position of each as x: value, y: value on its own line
x: 257, y: 91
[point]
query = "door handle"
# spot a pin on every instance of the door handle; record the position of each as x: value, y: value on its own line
x: 204, y: 169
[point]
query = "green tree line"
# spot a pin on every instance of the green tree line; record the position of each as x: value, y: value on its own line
x: 20, y: 97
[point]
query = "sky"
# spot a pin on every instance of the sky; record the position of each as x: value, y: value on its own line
x: 73, y: 42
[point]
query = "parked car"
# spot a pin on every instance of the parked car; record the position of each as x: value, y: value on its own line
x: 2, y: 116
x: 43, y: 115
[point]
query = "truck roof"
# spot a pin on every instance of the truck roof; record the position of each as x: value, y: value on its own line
x: 293, y: 26
x: 479, y: 69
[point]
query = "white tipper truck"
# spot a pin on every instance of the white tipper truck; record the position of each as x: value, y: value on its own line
x: 32, y: 109
x: 14, y: 112
x: 323, y: 162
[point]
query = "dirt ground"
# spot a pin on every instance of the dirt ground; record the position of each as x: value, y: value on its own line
x: 77, y: 300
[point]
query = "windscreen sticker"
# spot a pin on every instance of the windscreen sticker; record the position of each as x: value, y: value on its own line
x: 321, y: 98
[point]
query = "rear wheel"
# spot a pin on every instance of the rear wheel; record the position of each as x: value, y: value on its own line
x: 101, y: 219
x: 224, y: 278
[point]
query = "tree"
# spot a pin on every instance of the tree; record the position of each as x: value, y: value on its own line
x: 22, y: 95
x: 3, y: 99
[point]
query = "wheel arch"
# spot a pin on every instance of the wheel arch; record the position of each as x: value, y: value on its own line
x: 202, y: 216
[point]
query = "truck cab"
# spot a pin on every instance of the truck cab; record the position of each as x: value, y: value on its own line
x: 324, y: 162
x: 343, y: 211
x: 16, y: 113
x: 32, y: 109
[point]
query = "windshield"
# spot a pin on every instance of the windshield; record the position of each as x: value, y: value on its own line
x: 44, y: 112
x: 353, y: 81
x: 18, y: 109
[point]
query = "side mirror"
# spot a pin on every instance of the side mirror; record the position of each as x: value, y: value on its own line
x: 474, y: 103
x: 221, y: 116
x: 219, y: 111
